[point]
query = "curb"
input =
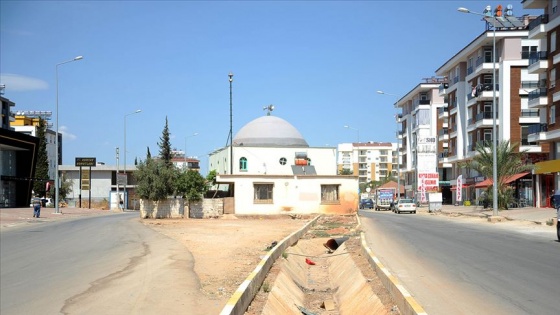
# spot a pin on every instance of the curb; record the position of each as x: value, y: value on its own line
x: 242, y: 297
x: 406, y: 303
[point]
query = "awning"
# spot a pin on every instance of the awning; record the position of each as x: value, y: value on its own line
x: 488, y: 182
x: 547, y: 167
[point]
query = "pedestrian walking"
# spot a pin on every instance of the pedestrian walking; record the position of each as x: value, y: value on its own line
x: 36, y: 208
x: 555, y: 202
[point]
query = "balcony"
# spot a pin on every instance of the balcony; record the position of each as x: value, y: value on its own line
x: 529, y: 116
x: 482, y: 65
x: 537, y: 132
x: 443, y: 112
x: 443, y: 89
x: 537, y: 98
x: 538, y: 62
x: 537, y: 27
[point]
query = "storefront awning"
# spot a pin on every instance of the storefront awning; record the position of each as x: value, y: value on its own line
x: 547, y: 167
x: 488, y: 182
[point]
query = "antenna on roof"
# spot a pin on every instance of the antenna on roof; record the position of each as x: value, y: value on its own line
x: 270, y: 108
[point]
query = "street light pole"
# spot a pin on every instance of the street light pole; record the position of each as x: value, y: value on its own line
x: 230, y: 75
x: 398, y: 147
x: 124, y: 165
x: 57, y: 183
x: 494, y: 118
x: 193, y: 135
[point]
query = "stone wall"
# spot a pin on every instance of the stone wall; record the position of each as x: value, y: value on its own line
x: 207, y: 208
x: 164, y: 209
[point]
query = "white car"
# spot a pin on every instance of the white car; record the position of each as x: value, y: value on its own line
x: 405, y: 205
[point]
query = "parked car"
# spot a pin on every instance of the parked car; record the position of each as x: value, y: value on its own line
x: 366, y: 204
x: 405, y: 205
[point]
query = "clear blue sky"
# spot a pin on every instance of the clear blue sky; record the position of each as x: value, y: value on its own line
x: 319, y: 63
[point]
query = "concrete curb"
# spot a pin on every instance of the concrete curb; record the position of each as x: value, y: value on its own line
x: 406, y: 303
x: 242, y: 297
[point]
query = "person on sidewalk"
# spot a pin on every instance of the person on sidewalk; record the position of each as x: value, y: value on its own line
x: 36, y: 208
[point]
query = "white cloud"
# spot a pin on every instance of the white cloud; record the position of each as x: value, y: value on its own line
x: 16, y: 82
x: 65, y: 134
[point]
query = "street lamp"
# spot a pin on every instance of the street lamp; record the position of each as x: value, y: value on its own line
x: 357, y: 130
x: 193, y: 135
x: 56, y: 188
x: 230, y: 75
x: 489, y: 19
x: 398, y: 148
x: 124, y: 166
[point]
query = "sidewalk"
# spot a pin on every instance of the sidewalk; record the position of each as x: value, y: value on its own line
x: 10, y: 217
x: 531, y: 214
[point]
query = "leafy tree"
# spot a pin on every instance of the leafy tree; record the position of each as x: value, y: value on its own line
x: 211, y: 177
x: 509, y: 163
x: 65, y: 188
x: 165, y: 146
x: 345, y: 171
x: 191, y: 185
x: 155, y: 181
x: 42, y: 166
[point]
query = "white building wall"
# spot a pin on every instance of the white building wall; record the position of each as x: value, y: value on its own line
x: 294, y: 194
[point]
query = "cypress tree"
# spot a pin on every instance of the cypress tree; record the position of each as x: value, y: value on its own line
x: 165, y: 146
x: 42, y: 166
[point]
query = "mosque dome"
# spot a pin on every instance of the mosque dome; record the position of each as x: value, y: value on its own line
x: 269, y: 131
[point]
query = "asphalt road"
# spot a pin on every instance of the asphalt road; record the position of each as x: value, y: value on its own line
x: 94, y: 265
x: 462, y: 266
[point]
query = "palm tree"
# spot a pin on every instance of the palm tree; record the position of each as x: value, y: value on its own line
x: 510, y: 162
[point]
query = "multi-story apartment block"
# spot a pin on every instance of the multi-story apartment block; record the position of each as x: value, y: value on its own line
x: 370, y: 161
x: 418, y: 129
x: 468, y: 118
x: 26, y: 122
x: 544, y: 64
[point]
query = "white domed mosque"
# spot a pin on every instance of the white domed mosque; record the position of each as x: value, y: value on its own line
x: 273, y: 170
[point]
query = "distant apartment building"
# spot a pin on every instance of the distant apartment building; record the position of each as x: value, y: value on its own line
x: 544, y: 61
x: 27, y: 122
x: 466, y: 119
x: 370, y: 161
x: 418, y: 127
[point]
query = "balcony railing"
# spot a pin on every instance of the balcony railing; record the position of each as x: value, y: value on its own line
x: 535, y: 57
x: 529, y: 113
x: 543, y: 19
x: 483, y: 115
x: 536, y: 128
x: 530, y: 85
x: 536, y: 94
x: 443, y: 86
x: 470, y: 70
x: 455, y: 80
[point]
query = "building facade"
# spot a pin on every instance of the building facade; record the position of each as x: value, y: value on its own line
x: 544, y: 64
x: 370, y: 161
x: 467, y: 118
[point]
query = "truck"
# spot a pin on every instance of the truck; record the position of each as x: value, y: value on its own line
x: 384, y: 198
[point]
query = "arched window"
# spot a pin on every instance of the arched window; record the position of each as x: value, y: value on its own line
x: 243, y: 164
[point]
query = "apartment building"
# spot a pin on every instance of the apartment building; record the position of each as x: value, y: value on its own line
x: 418, y: 128
x: 468, y: 117
x: 27, y: 122
x: 543, y: 63
x: 370, y: 161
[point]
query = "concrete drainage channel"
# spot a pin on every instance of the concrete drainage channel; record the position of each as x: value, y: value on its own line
x: 316, y: 274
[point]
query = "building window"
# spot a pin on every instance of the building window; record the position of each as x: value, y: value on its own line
x: 552, y: 77
x: 553, y: 42
x: 263, y: 193
x: 552, y: 118
x: 283, y: 161
x: 243, y: 164
x: 329, y: 194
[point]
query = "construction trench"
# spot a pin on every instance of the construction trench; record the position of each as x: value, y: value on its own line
x: 314, y: 273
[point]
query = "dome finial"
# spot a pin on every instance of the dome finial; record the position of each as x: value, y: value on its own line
x: 270, y: 108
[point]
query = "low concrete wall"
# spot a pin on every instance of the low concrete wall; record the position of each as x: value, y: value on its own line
x: 207, y: 208
x: 164, y: 209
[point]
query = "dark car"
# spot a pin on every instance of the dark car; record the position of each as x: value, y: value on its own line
x: 366, y: 204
